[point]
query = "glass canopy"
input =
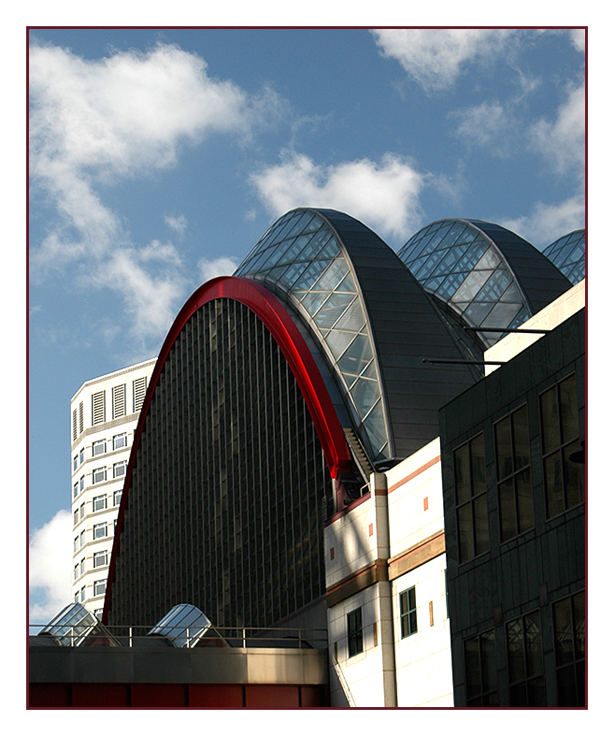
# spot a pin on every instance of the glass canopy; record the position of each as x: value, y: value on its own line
x: 302, y: 256
x: 183, y: 625
x: 454, y: 260
x: 568, y: 254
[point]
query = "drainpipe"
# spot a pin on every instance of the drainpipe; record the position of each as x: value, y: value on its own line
x: 380, y: 507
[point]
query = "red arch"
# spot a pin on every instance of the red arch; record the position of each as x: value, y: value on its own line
x: 294, y: 348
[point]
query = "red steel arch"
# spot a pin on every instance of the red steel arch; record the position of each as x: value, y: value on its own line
x: 294, y: 349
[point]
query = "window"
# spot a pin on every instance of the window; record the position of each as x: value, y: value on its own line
x: 569, y: 631
x: 98, y: 408
x: 75, y: 462
x: 560, y: 439
x: 138, y: 393
x: 99, y: 447
x: 82, y: 593
x: 100, y: 587
x: 525, y: 664
x: 82, y: 538
x: 98, y: 613
x: 118, y: 401
x: 471, y: 494
x: 99, y: 559
x: 117, y: 497
x: 74, y: 425
x: 80, y: 417
x: 82, y: 567
x: 516, y: 499
x: 99, y: 530
x: 76, y: 544
x: 407, y: 611
x: 481, y: 680
x: 120, y: 441
x: 76, y: 572
x: 119, y: 469
x: 82, y: 483
x: 76, y: 597
x: 355, y: 633
x: 99, y: 502
x: 75, y: 490
x: 81, y: 455
x: 81, y: 511
x: 75, y: 516
x: 98, y: 475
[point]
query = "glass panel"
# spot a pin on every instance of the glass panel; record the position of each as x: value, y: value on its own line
x: 471, y: 285
x: 574, y: 476
x: 533, y: 644
x: 466, y: 535
x: 331, y: 248
x: 504, y: 451
x: 338, y: 342
x: 495, y: 286
x: 364, y: 392
x: 353, y: 318
x: 521, y: 437
x: 481, y: 527
x: 477, y: 455
x: 332, y: 309
x: 508, y: 514
x: 502, y: 314
x: 550, y: 424
x: 374, y: 427
x: 291, y: 273
x: 477, y: 312
x: 450, y: 285
x: 462, y: 474
x: 516, y: 660
x: 554, y: 484
x: 536, y: 692
x: 309, y: 276
x: 488, y: 661
x: 357, y: 355
x: 313, y: 300
x: 347, y: 284
x: 578, y: 606
x: 472, y: 661
x: 334, y: 273
x: 562, y: 625
x: 569, y: 412
x: 525, y: 500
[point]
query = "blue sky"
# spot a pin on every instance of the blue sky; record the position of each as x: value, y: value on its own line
x: 159, y: 157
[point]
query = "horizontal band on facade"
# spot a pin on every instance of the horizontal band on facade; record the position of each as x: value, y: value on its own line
x: 414, y: 474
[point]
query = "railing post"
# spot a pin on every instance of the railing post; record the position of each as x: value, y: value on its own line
x: 243, y: 637
x: 72, y: 636
x: 130, y: 636
x: 187, y: 636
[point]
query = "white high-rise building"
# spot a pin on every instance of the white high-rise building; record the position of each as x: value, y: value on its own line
x: 104, y: 414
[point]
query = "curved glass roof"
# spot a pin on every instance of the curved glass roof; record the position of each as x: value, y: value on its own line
x: 568, y: 254
x: 475, y: 268
x: 302, y: 257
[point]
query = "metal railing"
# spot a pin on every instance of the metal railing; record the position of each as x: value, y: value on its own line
x: 137, y: 635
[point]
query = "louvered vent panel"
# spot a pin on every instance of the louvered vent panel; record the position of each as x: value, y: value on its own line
x: 139, y: 387
x: 98, y: 408
x: 80, y: 417
x: 74, y: 424
x: 118, y: 398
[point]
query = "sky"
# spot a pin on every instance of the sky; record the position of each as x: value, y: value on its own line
x: 158, y: 157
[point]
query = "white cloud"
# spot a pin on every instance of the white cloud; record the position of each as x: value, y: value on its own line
x: 384, y: 194
x: 94, y: 122
x: 178, y: 223
x: 577, y: 38
x: 223, y: 266
x: 487, y: 124
x: 435, y: 58
x: 546, y: 223
x: 562, y: 141
x: 50, y: 566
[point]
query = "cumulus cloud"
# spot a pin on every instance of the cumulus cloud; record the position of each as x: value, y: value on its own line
x: 435, y: 58
x: 577, y: 38
x: 96, y: 122
x: 562, y: 140
x: 223, y: 266
x: 50, y: 568
x: 487, y: 125
x: 547, y: 222
x: 384, y: 194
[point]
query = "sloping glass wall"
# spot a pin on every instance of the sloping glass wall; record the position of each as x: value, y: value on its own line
x: 568, y: 254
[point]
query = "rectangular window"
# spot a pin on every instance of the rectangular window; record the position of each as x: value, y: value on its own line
x: 569, y: 633
x: 407, y: 611
x: 82, y: 483
x: 75, y: 490
x: 100, y: 587
x: 100, y: 559
x: 75, y: 516
x: 525, y: 665
x: 471, y: 497
x: 82, y: 538
x: 99, y: 503
x: 99, y: 530
x: 515, y: 494
x: 119, y: 469
x: 82, y: 593
x: 99, y: 447
x: 76, y: 572
x: 355, y: 632
x: 82, y: 510
x: 118, y: 401
x: 98, y: 475
x: 82, y: 567
x: 481, y: 676
x: 98, y: 408
x: 117, y: 498
x: 75, y: 462
x: 81, y: 455
x: 559, y: 422
x: 76, y: 544
x: 120, y: 441
x: 139, y: 387
x: 76, y: 597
